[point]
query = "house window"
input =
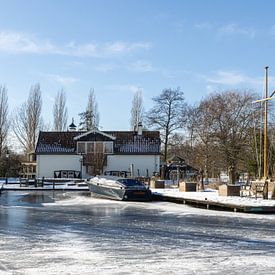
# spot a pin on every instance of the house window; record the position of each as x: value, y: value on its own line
x: 81, y: 148
x: 99, y: 147
x: 90, y: 147
x: 108, y: 147
x: 95, y: 147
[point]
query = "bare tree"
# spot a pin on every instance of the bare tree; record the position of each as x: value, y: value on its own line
x: 137, y: 111
x: 166, y: 114
x: 27, y: 120
x: 89, y: 119
x: 233, y: 116
x: 223, y: 124
x: 199, y: 125
x: 60, y: 112
x: 4, y: 120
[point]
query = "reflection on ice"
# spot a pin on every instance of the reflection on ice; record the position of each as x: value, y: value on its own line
x: 76, y: 234
x: 37, y: 198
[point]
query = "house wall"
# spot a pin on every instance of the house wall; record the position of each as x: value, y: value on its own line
x: 141, y: 162
x: 47, y: 164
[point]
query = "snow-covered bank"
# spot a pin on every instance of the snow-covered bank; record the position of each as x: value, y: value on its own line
x: 213, y: 196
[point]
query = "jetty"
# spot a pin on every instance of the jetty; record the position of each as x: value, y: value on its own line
x: 43, y: 184
x: 212, y: 201
x: 208, y: 199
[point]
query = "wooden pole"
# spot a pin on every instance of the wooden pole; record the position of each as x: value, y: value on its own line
x: 265, y: 123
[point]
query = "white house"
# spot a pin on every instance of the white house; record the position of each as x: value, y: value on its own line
x: 83, y: 154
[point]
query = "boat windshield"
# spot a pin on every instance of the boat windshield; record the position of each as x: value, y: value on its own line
x: 130, y: 182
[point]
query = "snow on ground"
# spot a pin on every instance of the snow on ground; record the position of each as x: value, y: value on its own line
x: 165, y: 208
x: 212, y: 195
x: 47, y: 185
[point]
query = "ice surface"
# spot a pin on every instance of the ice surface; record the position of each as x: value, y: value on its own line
x: 79, y: 234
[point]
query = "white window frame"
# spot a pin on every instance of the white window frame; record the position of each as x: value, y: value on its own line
x: 105, y: 143
x: 112, y: 146
x: 90, y: 142
x: 85, y: 147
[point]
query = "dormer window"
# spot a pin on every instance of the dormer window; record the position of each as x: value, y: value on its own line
x: 81, y: 148
x: 108, y: 147
x: 91, y: 147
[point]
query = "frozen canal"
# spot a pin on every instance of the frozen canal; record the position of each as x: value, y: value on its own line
x: 72, y: 233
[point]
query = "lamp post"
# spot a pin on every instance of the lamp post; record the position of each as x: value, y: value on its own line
x: 7, y: 164
x: 81, y: 164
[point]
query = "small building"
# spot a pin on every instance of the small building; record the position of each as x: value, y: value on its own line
x: 76, y: 154
x: 28, y: 166
x: 177, y: 168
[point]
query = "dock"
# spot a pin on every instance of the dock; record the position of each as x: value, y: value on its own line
x: 64, y: 189
x: 42, y: 185
x: 205, y: 200
x: 253, y: 206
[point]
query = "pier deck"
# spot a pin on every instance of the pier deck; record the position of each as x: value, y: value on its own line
x: 210, y: 200
x: 5, y: 188
x: 206, y: 200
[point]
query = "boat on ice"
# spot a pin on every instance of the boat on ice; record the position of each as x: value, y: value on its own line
x: 119, y: 188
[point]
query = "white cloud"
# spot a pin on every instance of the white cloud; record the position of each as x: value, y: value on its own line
x: 234, y: 29
x: 272, y: 30
x: 107, y: 67
x: 13, y: 42
x: 16, y: 43
x: 123, y: 88
x: 203, y: 26
x: 210, y: 89
x: 231, y: 78
x: 49, y: 97
x: 63, y: 80
x: 271, y: 80
x: 141, y: 66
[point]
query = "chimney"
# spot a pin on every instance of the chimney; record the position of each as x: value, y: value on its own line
x: 139, y: 128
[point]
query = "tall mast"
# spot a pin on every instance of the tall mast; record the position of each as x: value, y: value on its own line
x: 265, y: 123
x: 265, y: 100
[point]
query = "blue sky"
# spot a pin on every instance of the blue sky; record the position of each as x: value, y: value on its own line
x: 117, y: 47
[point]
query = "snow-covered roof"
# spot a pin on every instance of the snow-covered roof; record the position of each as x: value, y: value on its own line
x: 56, y: 142
x: 83, y: 135
x: 125, y: 142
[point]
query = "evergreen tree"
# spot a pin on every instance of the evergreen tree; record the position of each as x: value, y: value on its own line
x: 89, y: 119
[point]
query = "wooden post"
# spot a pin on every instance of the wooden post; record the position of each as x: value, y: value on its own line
x: 265, y: 100
x: 42, y: 183
x: 265, y: 123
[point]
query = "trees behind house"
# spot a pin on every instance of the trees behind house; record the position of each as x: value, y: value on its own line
x: 60, y: 112
x: 202, y: 133
x: 223, y: 127
x: 167, y: 114
x: 4, y: 119
x: 27, y: 120
x: 137, y: 111
x: 89, y: 119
